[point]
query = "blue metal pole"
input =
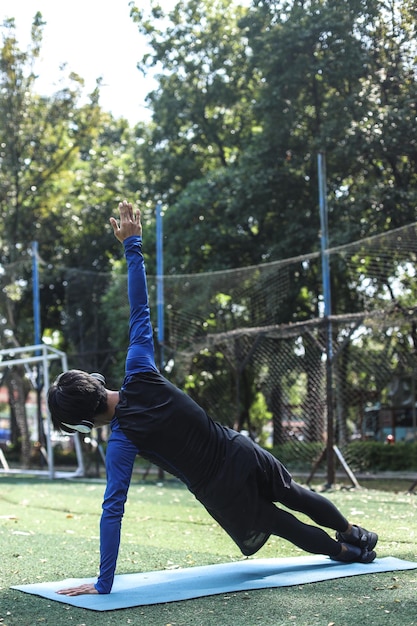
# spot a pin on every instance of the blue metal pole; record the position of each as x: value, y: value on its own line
x: 321, y: 165
x: 160, y: 282
x: 36, y: 299
x: 324, y: 233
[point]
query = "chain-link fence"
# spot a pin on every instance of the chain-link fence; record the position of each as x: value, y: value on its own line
x: 249, y: 344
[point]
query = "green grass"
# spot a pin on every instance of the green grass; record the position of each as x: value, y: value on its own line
x: 49, y: 531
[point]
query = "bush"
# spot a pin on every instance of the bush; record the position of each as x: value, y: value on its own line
x: 298, y: 455
x: 376, y: 456
x: 362, y: 456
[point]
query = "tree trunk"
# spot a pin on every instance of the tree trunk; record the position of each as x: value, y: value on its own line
x: 17, y: 400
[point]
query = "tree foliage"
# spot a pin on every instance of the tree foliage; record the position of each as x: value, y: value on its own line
x: 244, y: 105
x: 246, y: 96
x: 63, y: 164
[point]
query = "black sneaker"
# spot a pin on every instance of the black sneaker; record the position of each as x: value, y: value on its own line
x: 354, y: 554
x: 360, y: 537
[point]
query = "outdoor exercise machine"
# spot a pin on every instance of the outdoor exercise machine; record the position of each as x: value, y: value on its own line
x: 40, y: 355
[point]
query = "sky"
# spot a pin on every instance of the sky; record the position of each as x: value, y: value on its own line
x: 94, y: 38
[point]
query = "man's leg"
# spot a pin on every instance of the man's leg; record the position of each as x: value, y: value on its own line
x: 354, y: 543
x: 305, y: 536
x: 318, y: 508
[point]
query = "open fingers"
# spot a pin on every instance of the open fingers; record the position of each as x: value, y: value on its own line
x: 129, y: 222
x: 126, y: 211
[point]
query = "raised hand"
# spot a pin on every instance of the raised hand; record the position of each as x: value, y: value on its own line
x: 130, y: 223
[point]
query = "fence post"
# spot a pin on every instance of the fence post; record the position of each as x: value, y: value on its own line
x: 321, y: 165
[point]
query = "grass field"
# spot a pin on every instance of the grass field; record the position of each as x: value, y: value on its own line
x: 49, y: 531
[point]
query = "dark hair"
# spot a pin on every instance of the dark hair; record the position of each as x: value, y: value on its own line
x: 76, y: 397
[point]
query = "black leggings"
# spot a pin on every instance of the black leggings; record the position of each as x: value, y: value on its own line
x: 321, y: 510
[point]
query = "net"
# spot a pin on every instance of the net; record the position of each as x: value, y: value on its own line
x: 249, y: 344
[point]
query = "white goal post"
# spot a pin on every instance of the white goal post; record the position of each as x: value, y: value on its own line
x: 41, y: 354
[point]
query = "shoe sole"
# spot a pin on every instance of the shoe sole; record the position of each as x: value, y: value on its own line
x: 368, y: 557
x: 369, y: 544
x: 372, y: 541
x: 365, y: 556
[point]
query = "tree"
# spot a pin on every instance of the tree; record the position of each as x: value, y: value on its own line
x: 64, y: 166
x: 40, y: 140
x: 379, y: 191
x: 201, y: 109
x: 72, y: 285
x: 274, y: 84
x: 49, y: 149
x: 335, y: 76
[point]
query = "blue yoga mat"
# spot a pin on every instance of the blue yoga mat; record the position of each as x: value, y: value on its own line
x: 146, y: 588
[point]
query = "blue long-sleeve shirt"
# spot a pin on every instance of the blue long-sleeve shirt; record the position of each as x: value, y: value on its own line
x: 121, y: 452
x: 231, y: 476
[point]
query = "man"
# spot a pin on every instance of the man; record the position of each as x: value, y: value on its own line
x: 237, y: 481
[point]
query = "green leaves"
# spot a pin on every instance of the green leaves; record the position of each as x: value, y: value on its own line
x: 64, y: 164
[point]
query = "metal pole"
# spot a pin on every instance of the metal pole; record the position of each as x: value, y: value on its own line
x: 321, y: 164
x: 413, y: 408
x: 160, y: 295
x: 160, y: 283
x: 49, y: 447
x: 37, y: 338
x: 36, y: 306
